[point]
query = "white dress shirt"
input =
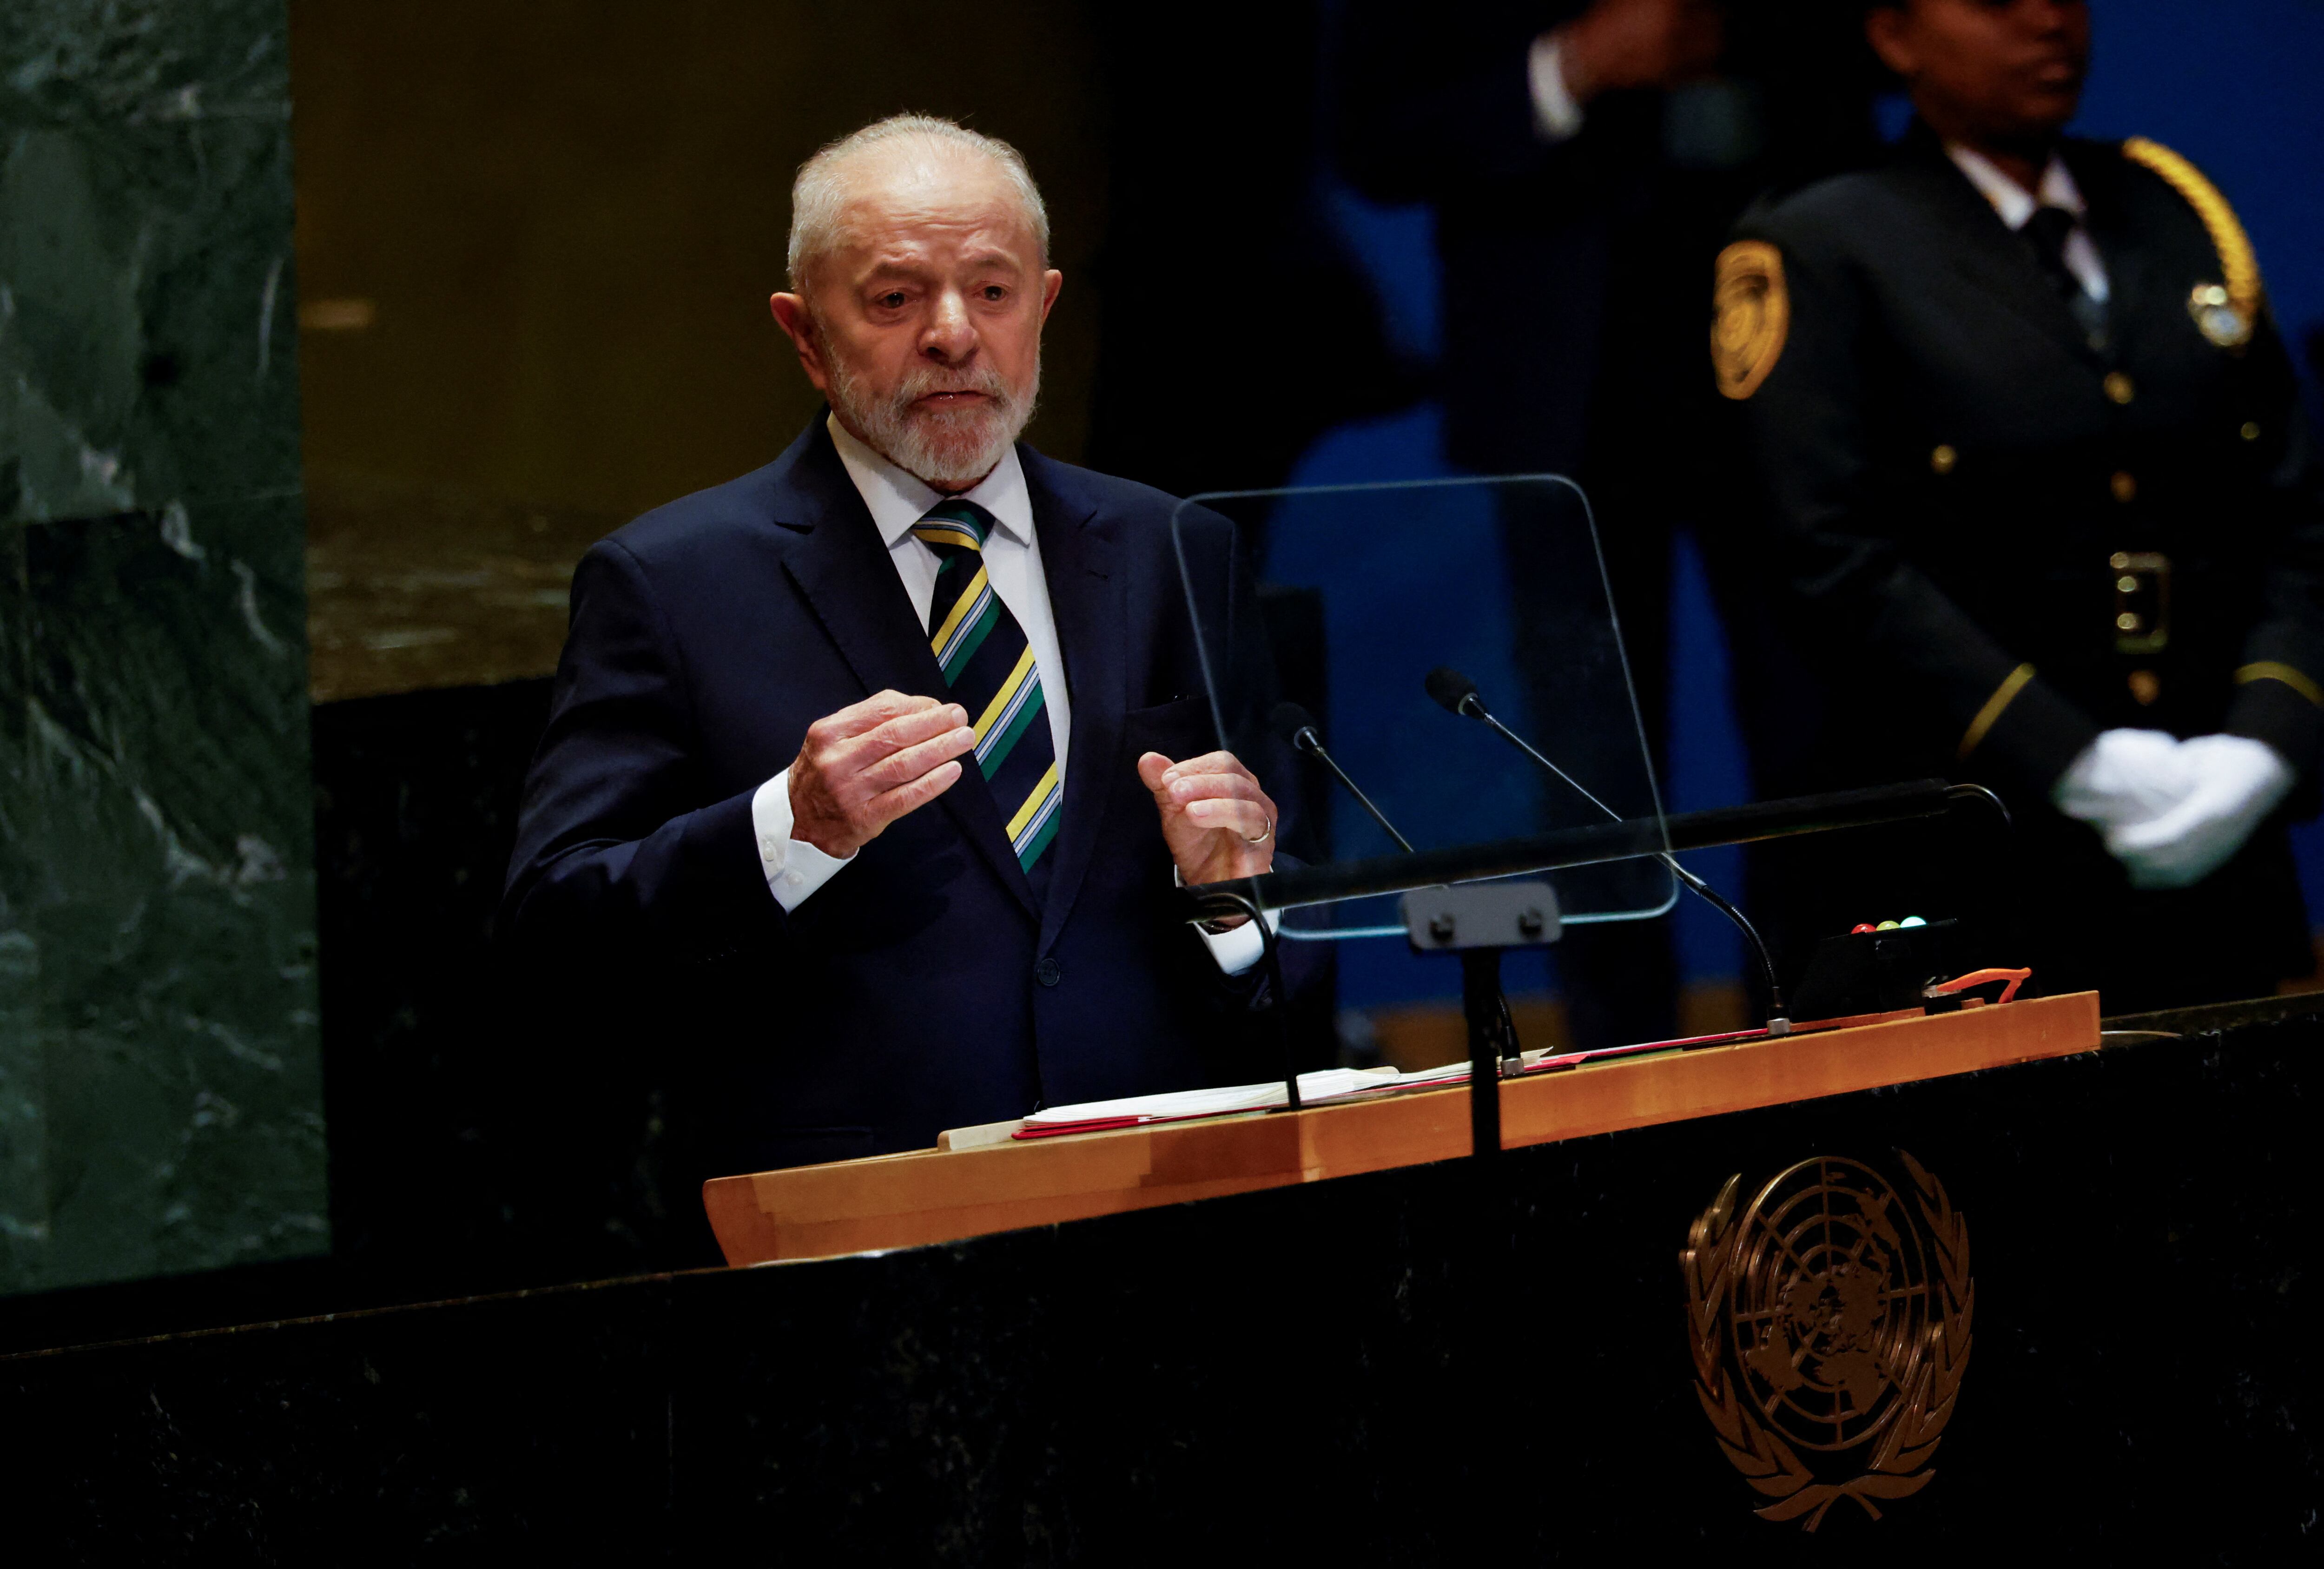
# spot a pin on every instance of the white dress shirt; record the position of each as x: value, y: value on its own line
x: 2015, y: 205
x: 796, y: 869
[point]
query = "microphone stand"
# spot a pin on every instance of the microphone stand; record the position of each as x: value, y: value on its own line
x: 1305, y: 739
x: 1474, y: 707
x: 1236, y: 903
x: 1301, y: 733
x: 1622, y: 840
x: 1626, y: 840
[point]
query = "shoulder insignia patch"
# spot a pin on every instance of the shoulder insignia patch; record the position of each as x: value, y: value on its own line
x: 1753, y: 313
x: 2226, y: 311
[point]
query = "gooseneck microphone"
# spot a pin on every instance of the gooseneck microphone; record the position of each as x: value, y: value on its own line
x: 1457, y: 694
x: 1297, y: 726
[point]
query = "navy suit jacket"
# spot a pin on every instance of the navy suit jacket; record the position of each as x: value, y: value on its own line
x: 923, y: 987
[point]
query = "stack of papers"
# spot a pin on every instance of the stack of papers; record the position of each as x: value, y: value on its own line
x: 1328, y: 1086
x: 1337, y: 1084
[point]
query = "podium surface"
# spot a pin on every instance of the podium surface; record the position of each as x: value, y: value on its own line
x: 941, y: 1195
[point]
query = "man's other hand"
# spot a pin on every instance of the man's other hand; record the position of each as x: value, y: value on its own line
x: 862, y: 768
x: 1217, y: 821
x: 1638, y: 43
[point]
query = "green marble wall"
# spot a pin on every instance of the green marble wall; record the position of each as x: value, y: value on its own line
x: 161, y: 1103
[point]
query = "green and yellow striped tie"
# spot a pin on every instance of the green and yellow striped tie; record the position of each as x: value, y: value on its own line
x: 990, y: 667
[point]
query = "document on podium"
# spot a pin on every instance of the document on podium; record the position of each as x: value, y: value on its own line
x: 1327, y: 1086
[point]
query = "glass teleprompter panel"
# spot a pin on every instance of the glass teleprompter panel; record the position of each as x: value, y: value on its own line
x: 1364, y: 592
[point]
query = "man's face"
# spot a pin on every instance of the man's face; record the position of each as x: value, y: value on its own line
x: 1987, y: 72
x: 923, y: 325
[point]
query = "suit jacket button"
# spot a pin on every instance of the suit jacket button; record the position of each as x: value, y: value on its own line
x: 1049, y: 972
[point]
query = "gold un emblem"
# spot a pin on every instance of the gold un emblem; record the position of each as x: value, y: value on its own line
x: 1830, y: 1323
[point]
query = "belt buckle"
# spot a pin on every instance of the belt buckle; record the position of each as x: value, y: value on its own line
x: 2141, y: 602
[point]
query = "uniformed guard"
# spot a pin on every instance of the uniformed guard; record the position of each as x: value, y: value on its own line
x: 2030, y: 451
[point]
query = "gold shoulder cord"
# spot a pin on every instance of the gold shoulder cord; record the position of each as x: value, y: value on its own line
x: 2240, y: 269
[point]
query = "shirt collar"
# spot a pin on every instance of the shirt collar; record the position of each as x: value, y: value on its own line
x: 2008, y: 197
x: 897, y: 499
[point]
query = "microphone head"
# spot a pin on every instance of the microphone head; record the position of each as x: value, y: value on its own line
x: 1453, y: 690
x: 1295, y: 725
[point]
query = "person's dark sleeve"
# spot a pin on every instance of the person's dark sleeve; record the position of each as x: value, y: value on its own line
x: 2279, y: 687
x: 1809, y: 441
x: 617, y: 849
x: 1427, y: 107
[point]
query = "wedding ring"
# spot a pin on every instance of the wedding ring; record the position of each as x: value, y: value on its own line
x: 1263, y: 838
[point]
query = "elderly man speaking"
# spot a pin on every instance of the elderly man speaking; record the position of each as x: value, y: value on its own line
x: 868, y: 775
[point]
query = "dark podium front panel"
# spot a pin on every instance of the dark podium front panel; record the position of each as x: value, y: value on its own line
x: 2065, y: 1305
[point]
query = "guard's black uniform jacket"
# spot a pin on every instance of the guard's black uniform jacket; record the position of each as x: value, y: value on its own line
x: 2013, y: 527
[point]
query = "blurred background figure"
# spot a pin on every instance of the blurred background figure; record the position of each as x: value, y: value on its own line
x: 1583, y: 164
x: 1214, y: 168
x: 2036, y: 470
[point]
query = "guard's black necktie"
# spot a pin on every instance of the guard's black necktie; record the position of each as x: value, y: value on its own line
x: 2046, y: 233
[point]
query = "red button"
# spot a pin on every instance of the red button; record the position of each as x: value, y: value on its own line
x: 1862, y: 926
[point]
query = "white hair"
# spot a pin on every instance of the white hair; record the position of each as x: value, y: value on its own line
x: 819, y: 193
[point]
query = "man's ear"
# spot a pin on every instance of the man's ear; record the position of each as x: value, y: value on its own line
x: 792, y: 315
x: 1051, y: 282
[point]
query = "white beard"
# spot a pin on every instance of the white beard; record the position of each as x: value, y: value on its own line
x: 948, y: 448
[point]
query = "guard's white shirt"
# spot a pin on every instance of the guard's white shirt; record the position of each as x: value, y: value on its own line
x: 796, y: 869
x: 2015, y: 205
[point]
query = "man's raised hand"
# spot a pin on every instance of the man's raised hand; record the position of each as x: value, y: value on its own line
x: 1639, y: 43
x: 862, y: 768
x: 1217, y: 821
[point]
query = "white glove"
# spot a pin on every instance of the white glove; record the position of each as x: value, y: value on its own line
x: 2124, y: 777
x: 2172, y: 812
x: 2238, y: 782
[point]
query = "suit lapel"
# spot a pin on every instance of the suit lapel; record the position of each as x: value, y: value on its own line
x: 1985, y: 252
x: 843, y: 570
x: 1089, y: 597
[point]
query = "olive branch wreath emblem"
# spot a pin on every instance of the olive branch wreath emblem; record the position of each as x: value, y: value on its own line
x: 1900, y: 1463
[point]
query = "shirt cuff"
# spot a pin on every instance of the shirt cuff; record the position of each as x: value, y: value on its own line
x: 1237, y: 951
x: 1556, y: 117
x: 795, y: 869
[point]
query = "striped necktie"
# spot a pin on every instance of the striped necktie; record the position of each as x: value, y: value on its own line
x: 988, y: 666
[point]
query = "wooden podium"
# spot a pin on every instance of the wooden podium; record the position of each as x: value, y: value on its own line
x: 941, y: 1195
x: 1299, y: 1374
